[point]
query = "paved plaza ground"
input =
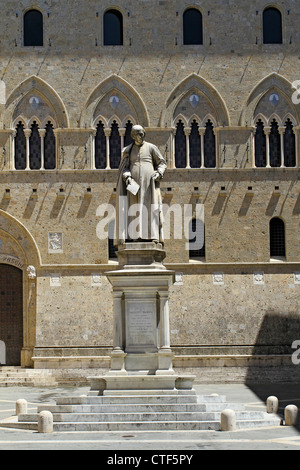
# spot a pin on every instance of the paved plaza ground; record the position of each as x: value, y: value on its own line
x: 156, y: 442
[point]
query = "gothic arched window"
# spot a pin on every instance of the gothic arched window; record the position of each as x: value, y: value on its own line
x: 180, y: 146
x: 209, y: 146
x: 33, y: 28
x: 35, y: 147
x: 275, y: 146
x: 113, y: 28
x: 49, y: 148
x: 100, y: 147
x: 272, y: 26
x: 192, y: 27
x: 195, y: 146
x: 114, y: 146
x: 289, y: 145
x: 20, y: 147
x: 127, y: 137
x: 260, y: 145
x: 277, y: 237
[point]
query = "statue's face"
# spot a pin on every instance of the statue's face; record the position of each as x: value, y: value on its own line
x: 138, y: 136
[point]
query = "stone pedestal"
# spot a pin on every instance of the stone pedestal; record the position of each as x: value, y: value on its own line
x: 141, y: 358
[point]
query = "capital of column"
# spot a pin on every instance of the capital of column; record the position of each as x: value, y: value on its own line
x: 122, y: 131
x: 42, y: 132
x: 187, y: 130
x: 267, y: 130
x: 107, y: 131
x: 27, y: 133
x: 201, y: 130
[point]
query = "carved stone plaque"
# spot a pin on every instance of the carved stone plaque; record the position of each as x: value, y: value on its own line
x: 140, y: 324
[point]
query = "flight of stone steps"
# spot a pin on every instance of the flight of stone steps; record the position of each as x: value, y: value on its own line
x: 18, y: 376
x: 143, y: 411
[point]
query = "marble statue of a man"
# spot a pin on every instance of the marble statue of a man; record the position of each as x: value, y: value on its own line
x: 139, y: 208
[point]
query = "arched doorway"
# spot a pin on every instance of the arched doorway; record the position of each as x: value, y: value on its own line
x: 11, y: 314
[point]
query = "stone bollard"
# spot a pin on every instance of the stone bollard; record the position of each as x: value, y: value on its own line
x: 272, y: 404
x: 228, y: 420
x: 21, y: 407
x: 45, y: 422
x: 290, y: 415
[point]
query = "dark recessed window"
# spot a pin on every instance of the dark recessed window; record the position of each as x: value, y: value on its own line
x: 272, y: 26
x: 277, y: 237
x: 113, y: 28
x: 192, y: 27
x: 33, y: 28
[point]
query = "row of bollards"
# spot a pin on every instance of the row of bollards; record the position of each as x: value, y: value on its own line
x: 45, y: 418
x: 228, y: 417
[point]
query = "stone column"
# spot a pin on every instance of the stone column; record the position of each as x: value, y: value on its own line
x: 118, y: 341
x: 122, y: 131
x: 92, y: 144
x: 281, y: 132
x: 267, y: 132
x: 107, y: 133
x: 187, y: 132
x: 42, y: 133
x: 202, y: 132
x: 164, y: 321
x: 27, y: 133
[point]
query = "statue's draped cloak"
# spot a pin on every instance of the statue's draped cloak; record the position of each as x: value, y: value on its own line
x: 140, y: 213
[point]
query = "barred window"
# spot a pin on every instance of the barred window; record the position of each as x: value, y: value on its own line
x: 35, y: 147
x: 260, y: 145
x: 209, y: 146
x: 277, y: 237
x: 289, y: 145
x: 20, y: 147
x: 195, y: 146
x: 180, y: 146
x: 115, y: 146
x: 100, y: 147
x: 275, y: 147
x: 49, y: 148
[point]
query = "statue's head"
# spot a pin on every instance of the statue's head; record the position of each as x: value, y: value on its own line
x: 138, y: 134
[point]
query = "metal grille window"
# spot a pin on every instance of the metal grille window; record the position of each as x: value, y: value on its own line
x: 100, y: 147
x: 289, y: 145
x: 20, y: 147
x: 277, y: 237
x: 272, y: 26
x: 209, y: 146
x: 127, y: 137
x: 33, y: 28
x: 195, y: 146
x: 260, y: 145
x: 275, y: 147
x: 115, y: 146
x: 49, y: 148
x: 180, y: 146
x: 35, y: 148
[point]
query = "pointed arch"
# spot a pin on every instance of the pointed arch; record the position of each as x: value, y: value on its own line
x: 114, y: 83
x: 274, y: 82
x: 42, y: 88
x: 195, y: 83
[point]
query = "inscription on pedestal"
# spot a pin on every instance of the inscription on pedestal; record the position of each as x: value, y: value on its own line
x: 140, y: 324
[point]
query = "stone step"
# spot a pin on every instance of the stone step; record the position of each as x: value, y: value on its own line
x: 140, y: 408
x: 127, y: 399
x: 146, y: 416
